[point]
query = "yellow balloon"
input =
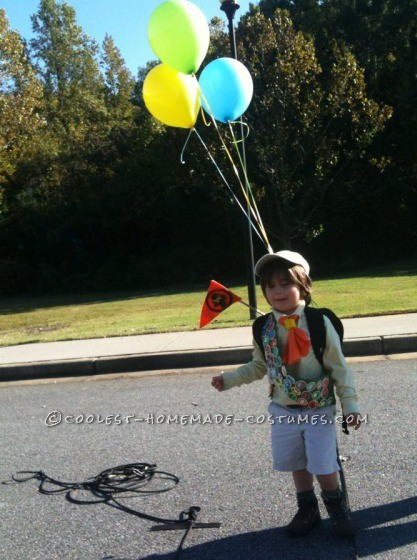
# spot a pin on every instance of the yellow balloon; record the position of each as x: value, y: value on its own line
x: 172, y: 97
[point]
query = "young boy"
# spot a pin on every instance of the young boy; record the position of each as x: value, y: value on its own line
x: 300, y: 388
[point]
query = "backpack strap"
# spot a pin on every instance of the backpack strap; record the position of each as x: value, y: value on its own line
x: 336, y: 322
x: 257, y: 327
x: 317, y: 329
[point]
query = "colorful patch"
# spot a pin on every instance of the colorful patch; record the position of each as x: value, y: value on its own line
x: 301, y: 385
x: 313, y: 404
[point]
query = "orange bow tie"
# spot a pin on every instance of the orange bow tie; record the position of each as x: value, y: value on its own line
x: 298, y: 343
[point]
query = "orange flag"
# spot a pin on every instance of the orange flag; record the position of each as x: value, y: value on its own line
x: 218, y: 299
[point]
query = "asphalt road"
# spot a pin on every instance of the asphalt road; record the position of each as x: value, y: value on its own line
x: 224, y: 467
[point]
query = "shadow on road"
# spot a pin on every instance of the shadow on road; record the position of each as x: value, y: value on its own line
x: 276, y: 544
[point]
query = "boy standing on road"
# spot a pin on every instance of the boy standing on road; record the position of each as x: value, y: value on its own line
x: 300, y: 388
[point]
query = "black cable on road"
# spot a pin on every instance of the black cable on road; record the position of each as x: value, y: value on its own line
x: 124, y: 481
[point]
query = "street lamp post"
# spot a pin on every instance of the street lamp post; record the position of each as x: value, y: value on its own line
x: 229, y: 7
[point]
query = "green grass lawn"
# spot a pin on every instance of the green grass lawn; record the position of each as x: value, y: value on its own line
x: 50, y: 318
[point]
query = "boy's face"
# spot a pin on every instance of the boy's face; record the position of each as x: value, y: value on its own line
x: 282, y: 295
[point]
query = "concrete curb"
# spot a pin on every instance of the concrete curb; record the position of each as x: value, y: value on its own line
x: 370, y: 346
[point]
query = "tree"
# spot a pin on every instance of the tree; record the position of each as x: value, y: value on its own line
x: 21, y: 100
x: 66, y: 63
x: 382, y: 36
x: 75, y: 110
x: 307, y: 125
x: 118, y: 81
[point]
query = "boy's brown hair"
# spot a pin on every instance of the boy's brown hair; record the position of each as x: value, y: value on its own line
x: 294, y: 274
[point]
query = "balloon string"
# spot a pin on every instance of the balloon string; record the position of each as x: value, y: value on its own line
x: 229, y: 187
x: 249, y: 189
x: 254, y: 213
x: 248, y: 185
x: 204, y: 117
x: 243, y: 124
x: 250, y: 201
x: 185, y: 145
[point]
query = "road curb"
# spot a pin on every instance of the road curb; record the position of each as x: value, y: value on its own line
x: 355, y: 347
x: 399, y: 343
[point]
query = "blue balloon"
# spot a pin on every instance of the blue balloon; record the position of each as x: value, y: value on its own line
x: 226, y: 89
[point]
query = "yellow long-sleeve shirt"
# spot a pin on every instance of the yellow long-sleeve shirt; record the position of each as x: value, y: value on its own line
x: 307, y: 368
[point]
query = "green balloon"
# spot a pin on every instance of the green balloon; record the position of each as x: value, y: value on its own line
x: 179, y: 35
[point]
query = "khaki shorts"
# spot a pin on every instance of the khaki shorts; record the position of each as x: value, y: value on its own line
x: 304, y: 439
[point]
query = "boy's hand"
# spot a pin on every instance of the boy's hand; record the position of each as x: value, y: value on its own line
x: 353, y: 420
x: 218, y: 382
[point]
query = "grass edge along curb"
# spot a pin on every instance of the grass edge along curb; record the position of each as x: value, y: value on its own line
x: 87, y: 316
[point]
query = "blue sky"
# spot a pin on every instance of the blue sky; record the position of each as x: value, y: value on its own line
x: 125, y: 20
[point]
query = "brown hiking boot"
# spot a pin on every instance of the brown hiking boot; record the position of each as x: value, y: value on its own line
x: 340, y: 516
x: 306, y: 518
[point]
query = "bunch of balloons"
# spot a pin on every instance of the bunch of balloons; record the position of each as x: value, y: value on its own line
x: 179, y: 35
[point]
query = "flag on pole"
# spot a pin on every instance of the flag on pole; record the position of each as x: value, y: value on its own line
x: 218, y: 299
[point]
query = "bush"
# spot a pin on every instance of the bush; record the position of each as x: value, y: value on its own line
x: 16, y: 277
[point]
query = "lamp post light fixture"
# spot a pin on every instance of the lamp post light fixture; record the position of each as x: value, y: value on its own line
x: 229, y: 7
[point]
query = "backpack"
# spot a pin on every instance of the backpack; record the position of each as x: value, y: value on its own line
x: 315, y: 322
